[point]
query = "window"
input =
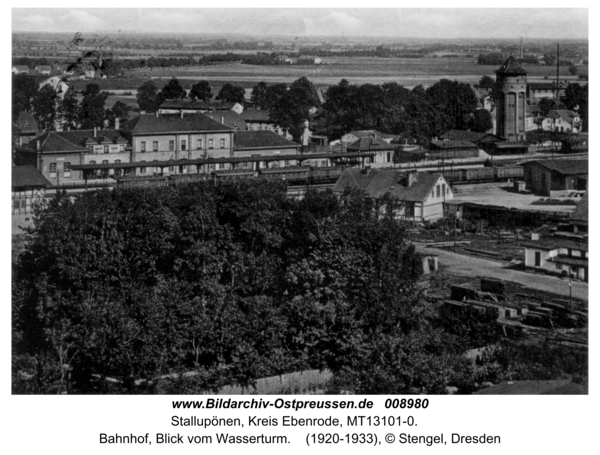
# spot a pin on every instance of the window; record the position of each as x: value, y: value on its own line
x: 183, y: 145
x: 67, y: 172
x: 171, y: 168
x: 558, y: 266
x: 106, y: 149
x: 104, y: 161
x: 155, y: 146
x: 143, y: 146
x: 570, y: 251
x: 91, y: 148
x: 142, y: 170
x: 443, y: 189
x: 171, y: 145
x: 210, y: 144
x: 389, y: 155
x: 92, y: 162
x: 122, y: 147
x: 52, y: 169
x: 222, y: 143
x: 437, y: 191
x: 199, y: 144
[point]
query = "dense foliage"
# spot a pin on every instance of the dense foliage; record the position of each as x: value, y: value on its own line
x: 235, y: 282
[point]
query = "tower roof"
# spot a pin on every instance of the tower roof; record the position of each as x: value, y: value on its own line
x: 511, y: 67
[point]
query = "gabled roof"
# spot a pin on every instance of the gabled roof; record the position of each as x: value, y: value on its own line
x: 28, y: 176
x: 565, y: 167
x: 562, y: 114
x: 452, y: 144
x: 152, y: 124
x: 74, y: 141
x: 229, y: 118
x: 365, y: 144
x: 260, y: 139
x: 22, y: 68
x: 580, y: 214
x: 27, y: 123
x: 511, y: 68
x: 253, y: 115
x: 469, y: 136
x: 377, y: 183
x: 43, y: 68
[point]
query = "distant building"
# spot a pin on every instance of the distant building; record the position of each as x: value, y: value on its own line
x: 163, y: 138
x: 420, y: 195
x: 562, y: 120
x: 43, y: 69
x: 257, y: 120
x: 451, y: 149
x: 28, y: 127
x: 560, y: 256
x: 263, y: 143
x: 556, y: 177
x: 21, y: 69
x: 56, y: 82
x: 28, y: 187
x: 538, y: 90
x: 53, y: 153
x: 381, y: 150
x: 198, y: 106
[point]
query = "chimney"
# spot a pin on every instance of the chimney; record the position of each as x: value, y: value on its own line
x: 95, y: 130
x: 37, y: 145
x: 222, y: 120
x: 117, y: 123
x: 181, y: 114
x: 535, y: 236
x: 156, y: 114
x: 411, y: 178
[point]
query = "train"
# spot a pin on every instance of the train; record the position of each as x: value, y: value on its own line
x: 297, y: 175
x: 483, y: 174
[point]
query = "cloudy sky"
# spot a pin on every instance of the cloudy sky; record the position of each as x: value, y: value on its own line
x: 420, y: 23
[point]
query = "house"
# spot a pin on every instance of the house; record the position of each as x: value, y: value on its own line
x: 309, y: 59
x: 354, y: 136
x: 556, y: 177
x: 43, y: 69
x: 382, y: 151
x: 263, y: 143
x: 482, y: 140
x: 559, y: 256
x: 562, y: 120
x: 28, y: 187
x: 21, y: 69
x: 56, y: 82
x: 54, y: 152
x: 162, y: 138
x: 28, y: 128
x: 538, y: 90
x: 257, y: 120
x: 579, y: 216
x: 420, y: 195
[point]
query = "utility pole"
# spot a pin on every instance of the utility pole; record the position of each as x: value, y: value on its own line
x: 455, y: 214
x: 557, y: 72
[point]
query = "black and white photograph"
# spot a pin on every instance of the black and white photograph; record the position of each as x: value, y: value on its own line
x: 311, y: 201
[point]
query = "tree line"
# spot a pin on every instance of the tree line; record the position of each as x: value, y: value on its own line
x: 235, y: 283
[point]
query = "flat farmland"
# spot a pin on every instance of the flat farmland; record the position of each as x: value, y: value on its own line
x: 407, y: 72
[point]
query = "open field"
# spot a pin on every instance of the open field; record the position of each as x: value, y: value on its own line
x: 358, y: 70
x: 405, y: 71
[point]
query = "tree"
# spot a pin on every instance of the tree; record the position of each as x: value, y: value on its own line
x: 44, y: 108
x: 231, y: 93
x: 454, y: 99
x: 573, y: 70
x: 291, y: 111
x: 546, y: 105
x: 259, y: 95
x: 146, y: 96
x: 120, y: 110
x: 576, y: 99
x: 486, y: 82
x: 68, y: 109
x: 201, y: 91
x: 481, y: 121
x: 91, y: 109
x: 24, y: 90
x: 173, y: 90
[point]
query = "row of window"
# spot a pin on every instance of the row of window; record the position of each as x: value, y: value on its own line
x: 106, y: 148
x: 211, y: 167
x: 440, y: 190
x: 211, y: 145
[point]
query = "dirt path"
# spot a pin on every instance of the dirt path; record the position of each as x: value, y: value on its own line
x: 468, y: 266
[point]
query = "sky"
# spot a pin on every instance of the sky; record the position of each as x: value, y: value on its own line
x: 563, y: 23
